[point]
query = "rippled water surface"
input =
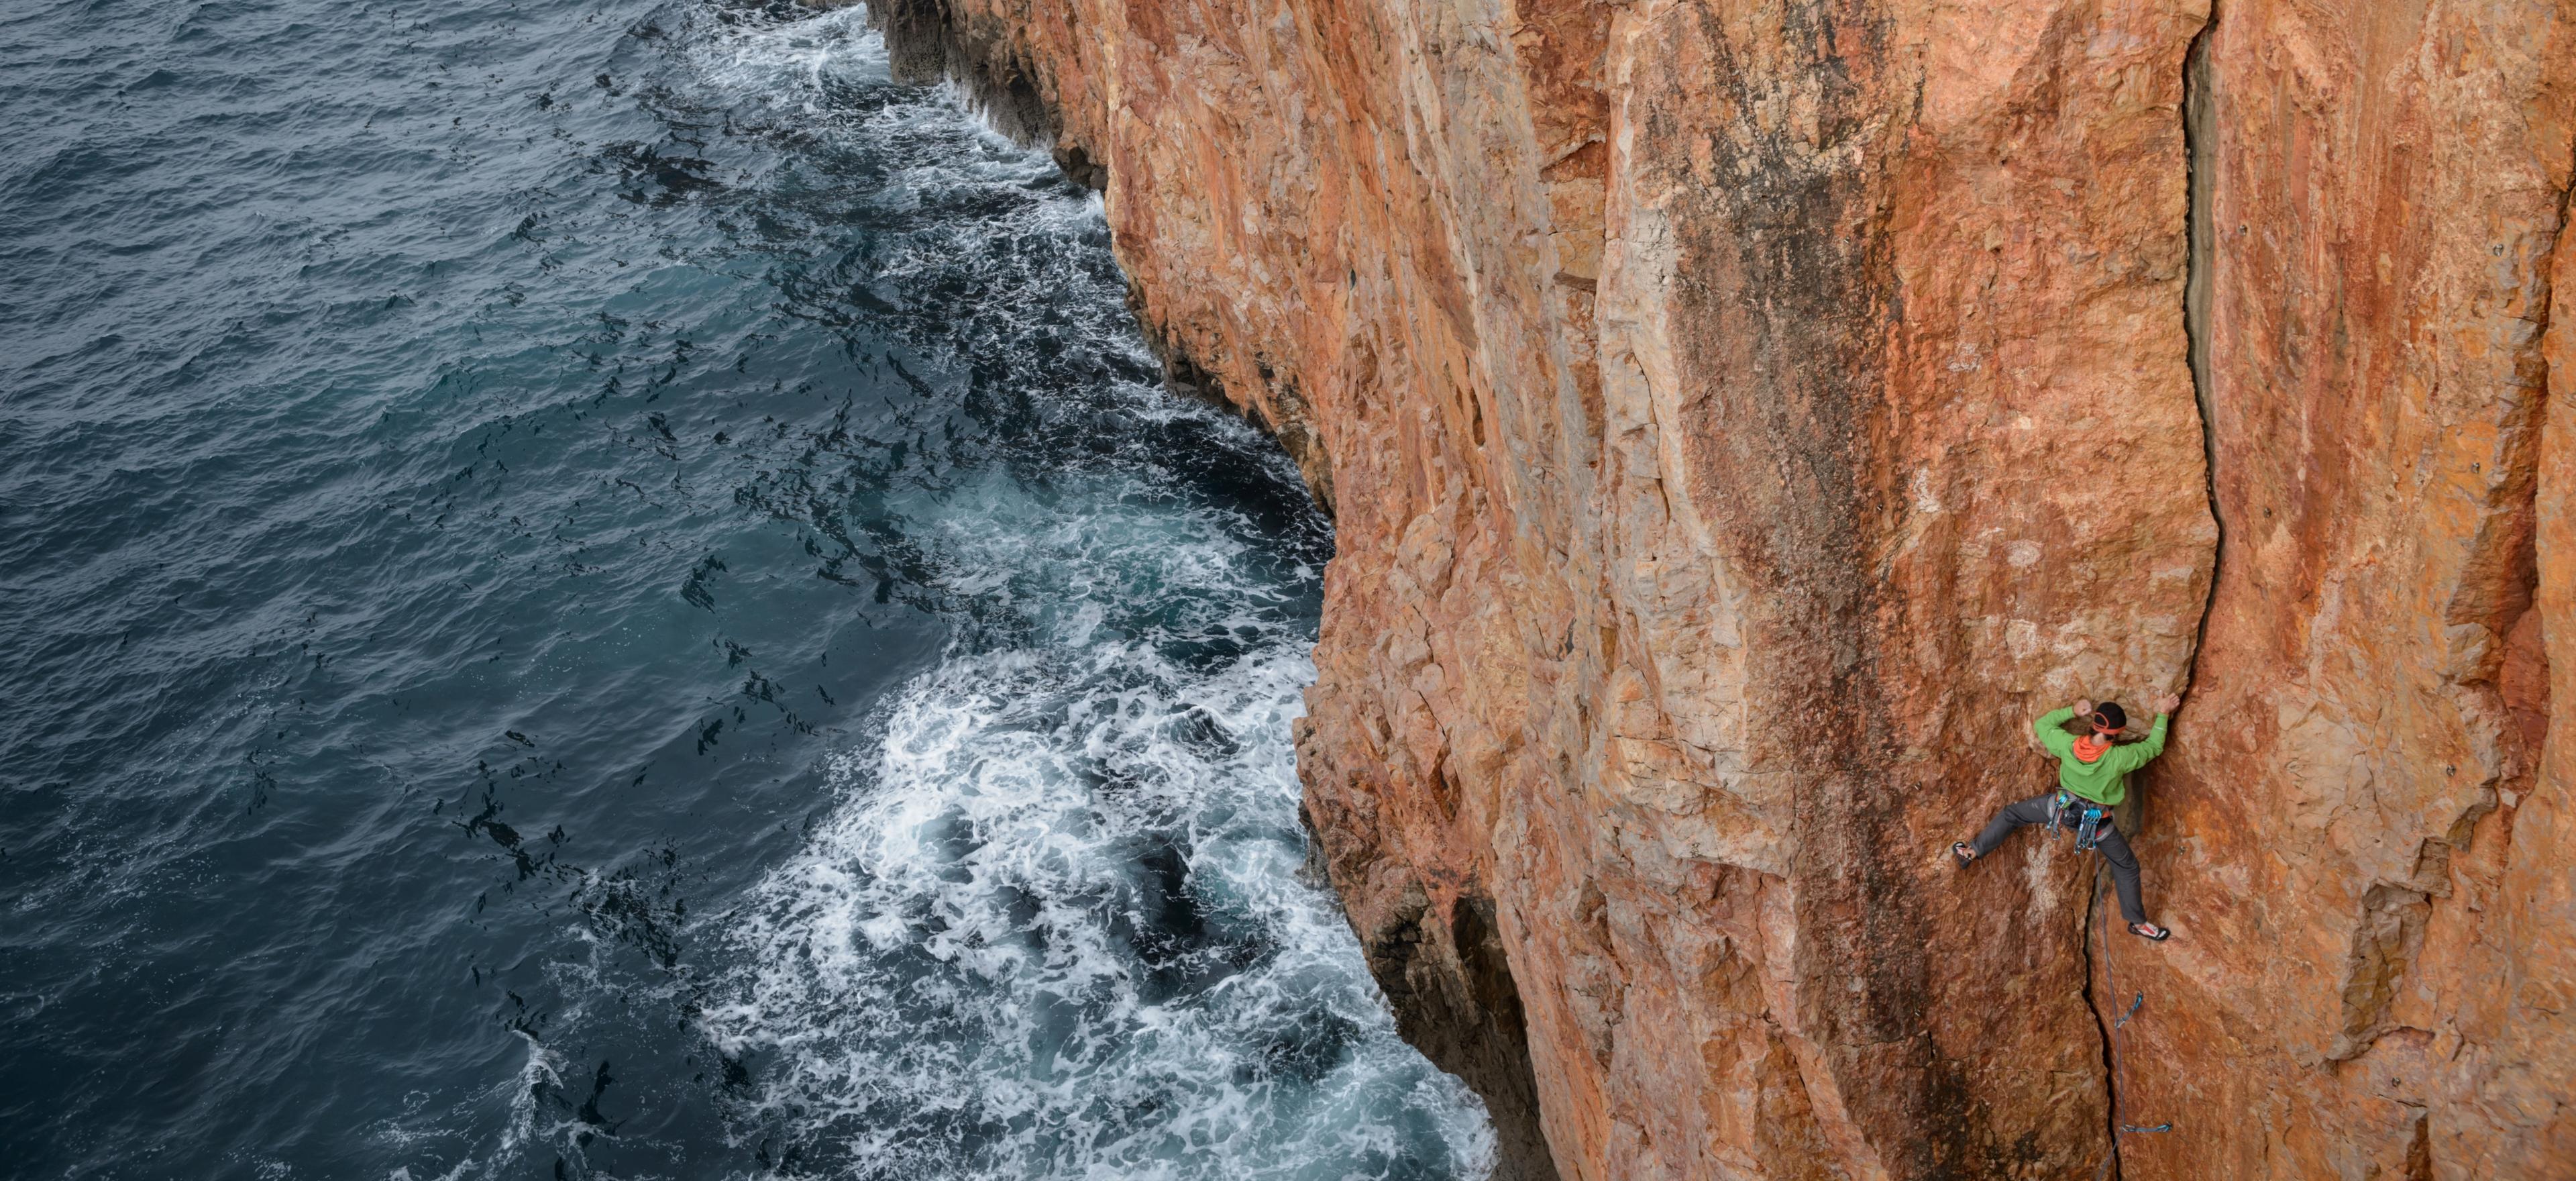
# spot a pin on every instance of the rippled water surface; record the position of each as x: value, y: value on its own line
x: 596, y: 590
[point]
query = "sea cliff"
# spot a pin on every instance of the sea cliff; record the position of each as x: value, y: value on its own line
x: 1740, y: 420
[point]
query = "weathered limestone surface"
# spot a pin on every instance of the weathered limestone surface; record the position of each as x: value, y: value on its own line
x: 2363, y: 832
x: 1740, y: 418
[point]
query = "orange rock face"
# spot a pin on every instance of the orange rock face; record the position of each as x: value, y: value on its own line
x: 1741, y: 419
x: 2363, y: 830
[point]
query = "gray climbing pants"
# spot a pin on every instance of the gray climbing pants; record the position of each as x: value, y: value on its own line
x: 2114, y: 847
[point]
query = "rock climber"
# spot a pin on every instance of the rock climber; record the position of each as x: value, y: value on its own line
x: 2092, y: 778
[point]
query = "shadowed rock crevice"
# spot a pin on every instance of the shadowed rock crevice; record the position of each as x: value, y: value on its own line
x: 2200, y: 142
x: 2111, y: 1008
x: 2340, y: 836
x: 1451, y: 986
x: 1280, y: 412
x: 926, y: 43
x: 2104, y: 1015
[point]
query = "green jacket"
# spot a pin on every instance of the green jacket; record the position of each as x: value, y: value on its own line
x: 2104, y: 781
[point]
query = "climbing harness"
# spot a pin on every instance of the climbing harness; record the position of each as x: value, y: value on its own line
x: 2087, y: 821
x: 2119, y: 1062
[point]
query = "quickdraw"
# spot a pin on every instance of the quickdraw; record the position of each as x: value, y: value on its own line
x: 2087, y: 821
x: 2120, y: 1126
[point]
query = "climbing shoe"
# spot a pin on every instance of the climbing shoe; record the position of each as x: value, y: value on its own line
x: 1961, y: 854
x: 2150, y: 931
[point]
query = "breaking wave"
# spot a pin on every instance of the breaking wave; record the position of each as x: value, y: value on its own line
x: 1054, y: 927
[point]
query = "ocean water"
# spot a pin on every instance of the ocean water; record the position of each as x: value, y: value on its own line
x: 597, y: 590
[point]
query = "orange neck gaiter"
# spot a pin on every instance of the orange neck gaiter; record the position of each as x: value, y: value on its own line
x: 2089, y: 748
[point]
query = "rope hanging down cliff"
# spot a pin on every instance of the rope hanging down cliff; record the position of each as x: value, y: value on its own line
x: 2119, y: 1064
x: 2092, y: 779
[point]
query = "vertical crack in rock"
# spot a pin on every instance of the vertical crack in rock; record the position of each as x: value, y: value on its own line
x: 2199, y: 135
x: 2523, y: 679
x: 2110, y: 1167
x: 2199, y: 132
x: 2372, y: 685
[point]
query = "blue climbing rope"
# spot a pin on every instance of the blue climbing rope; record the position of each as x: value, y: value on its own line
x: 2119, y: 1062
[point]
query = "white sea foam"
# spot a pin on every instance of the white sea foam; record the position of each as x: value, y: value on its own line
x: 1052, y: 927
x: 790, y: 59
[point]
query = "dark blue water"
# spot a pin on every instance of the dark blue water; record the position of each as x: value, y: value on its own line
x: 596, y: 590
